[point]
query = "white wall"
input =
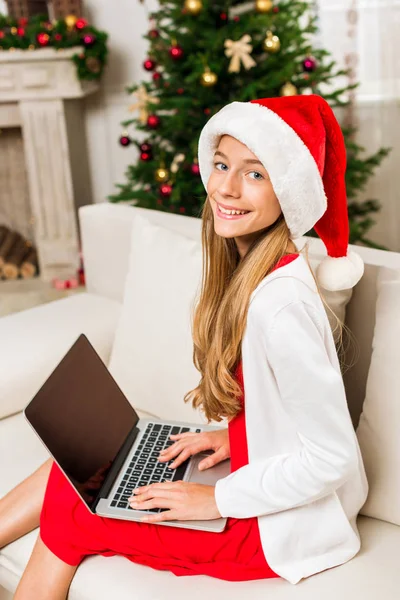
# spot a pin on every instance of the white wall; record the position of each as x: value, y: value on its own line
x: 125, y: 21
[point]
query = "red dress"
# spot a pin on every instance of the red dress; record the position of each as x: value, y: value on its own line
x: 72, y: 532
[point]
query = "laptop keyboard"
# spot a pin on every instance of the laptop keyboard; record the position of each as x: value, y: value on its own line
x: 144, y: 467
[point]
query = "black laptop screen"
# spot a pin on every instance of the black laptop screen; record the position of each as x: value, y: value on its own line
x: 82, y: 417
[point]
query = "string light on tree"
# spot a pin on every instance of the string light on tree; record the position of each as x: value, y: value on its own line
x: 208, y: 78
x: 193, y: 7
x: 271, y: 43
x: 264, y: 6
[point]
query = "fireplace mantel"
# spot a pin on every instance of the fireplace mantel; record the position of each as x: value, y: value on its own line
x: 41, y: 93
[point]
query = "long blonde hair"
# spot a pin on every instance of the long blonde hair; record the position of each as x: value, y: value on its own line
x: 219, y: 316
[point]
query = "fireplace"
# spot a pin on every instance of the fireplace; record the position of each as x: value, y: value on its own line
x: 43, y: 154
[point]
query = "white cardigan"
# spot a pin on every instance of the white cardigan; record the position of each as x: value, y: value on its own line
x: 305, y: 480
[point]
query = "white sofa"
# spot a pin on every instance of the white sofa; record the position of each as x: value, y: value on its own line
x: 33, y: 342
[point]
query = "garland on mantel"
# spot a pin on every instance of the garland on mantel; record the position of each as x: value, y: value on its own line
x: 38, y: 32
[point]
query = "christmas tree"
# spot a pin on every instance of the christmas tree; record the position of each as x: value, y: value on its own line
x: 204, y: 54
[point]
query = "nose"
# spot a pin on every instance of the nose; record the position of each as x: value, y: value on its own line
x: 229, y: 185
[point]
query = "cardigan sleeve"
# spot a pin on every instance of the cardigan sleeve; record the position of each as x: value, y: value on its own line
x: 312, y: 394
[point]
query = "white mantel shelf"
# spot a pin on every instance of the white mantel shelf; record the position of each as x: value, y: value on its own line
x: 40, y: 92
x: 41, y: 73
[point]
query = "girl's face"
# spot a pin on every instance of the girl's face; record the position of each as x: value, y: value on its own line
x: 239, y: 181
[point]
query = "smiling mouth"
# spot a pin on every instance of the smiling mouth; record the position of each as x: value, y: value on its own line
x: 230, y: 215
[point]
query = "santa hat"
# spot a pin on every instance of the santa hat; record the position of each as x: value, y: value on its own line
x: 300, y: 143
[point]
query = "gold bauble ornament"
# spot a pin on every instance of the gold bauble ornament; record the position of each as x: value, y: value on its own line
x: 70, y: 21
x: 288, y: 89
x: 13, y: 30
x: 264, y: 6
x: 193, y: 7
x: 161, y: 175
x: 271, y: 43
x: 208, y: 78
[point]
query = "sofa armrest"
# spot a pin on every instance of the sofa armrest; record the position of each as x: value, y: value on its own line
x: 35, y: 340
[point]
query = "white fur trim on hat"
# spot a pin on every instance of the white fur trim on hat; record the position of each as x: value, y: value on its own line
x: 340, y: 273
x: 293, y: 171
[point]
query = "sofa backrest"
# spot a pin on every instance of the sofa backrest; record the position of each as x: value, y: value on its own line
x: 105, y: 235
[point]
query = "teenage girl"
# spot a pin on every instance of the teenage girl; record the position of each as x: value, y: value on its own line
x: 273, y: 169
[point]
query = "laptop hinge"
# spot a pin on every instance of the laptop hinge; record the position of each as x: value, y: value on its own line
x: 116, y: 466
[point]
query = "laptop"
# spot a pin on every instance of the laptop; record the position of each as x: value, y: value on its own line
x: 103, y: 447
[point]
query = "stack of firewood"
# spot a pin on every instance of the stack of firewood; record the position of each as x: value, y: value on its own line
x: 18, y: 256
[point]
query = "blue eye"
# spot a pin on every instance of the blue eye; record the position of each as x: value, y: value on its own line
x: 257, y: 173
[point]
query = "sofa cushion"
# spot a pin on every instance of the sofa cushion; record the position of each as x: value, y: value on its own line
x: 151, y: 358
x: 35, y: 340
x: 164, y: 274
x: 379, y: 426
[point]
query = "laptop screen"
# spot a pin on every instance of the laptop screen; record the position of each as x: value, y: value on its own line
x: 82, y: 417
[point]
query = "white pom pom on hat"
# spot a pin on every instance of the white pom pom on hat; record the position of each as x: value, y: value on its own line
x: 300, y: 143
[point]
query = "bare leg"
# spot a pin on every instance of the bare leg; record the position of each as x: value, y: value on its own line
x: 46, y: 576
x: 20, y: 508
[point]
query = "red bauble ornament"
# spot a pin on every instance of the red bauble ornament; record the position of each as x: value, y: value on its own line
x: 223, y: 16
x: 43, y: 39
x: 153, y: 121
x: 149, y: 64
x: 156, y: 76
x: 154, y: 33
x: 21, y: 31
x: 58, y: 37
x: 145, y: 156
x: 275, y: 9
x: 165, y: 190
x: 175, y: 52
x: 237, y: 18
x: 309, y: 64
x: 124, y: 140
x: 195, y: 169
x: 81, y: 24
x: 180, y: 90
x: 22, y: 21
x: 89, y: 39
x: 207, y: 111
x: 145, y: 147
x: 182, y: 209
x: 2, y: 34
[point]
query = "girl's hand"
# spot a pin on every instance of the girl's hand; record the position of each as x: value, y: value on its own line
x: 190, y: 443
x: 185, y: 500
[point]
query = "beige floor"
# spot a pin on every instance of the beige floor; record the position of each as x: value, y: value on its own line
x: 21, y: 294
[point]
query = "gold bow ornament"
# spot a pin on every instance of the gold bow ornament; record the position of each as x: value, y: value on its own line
x: 141, y: 105
x: 239, y: 51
